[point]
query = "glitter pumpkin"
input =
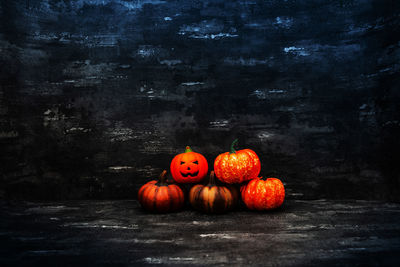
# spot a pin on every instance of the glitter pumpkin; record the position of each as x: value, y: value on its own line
x: 237, y: 166
x: 263, y: 194
x: 189, y: 167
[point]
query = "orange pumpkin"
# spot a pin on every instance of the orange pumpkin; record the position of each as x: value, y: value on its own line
x: 189, y: 167
x: 237, y: 166
x: 263, y: 194
x: 159, y: 196
x: 212, y: 198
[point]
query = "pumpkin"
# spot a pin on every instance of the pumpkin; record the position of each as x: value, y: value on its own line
x: 237, y: 166
x: 159, y: 196
x: 213, y: 198
x: 263, y: 194
x: 189, y: 167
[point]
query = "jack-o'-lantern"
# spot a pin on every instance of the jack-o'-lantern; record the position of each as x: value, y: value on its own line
x: 189, y: 167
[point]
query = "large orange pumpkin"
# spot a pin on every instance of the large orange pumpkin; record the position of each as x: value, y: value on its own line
x: 237, y: 166
x: 159, y: 196
x: 213, y: 198
x: 263, y: 194
x: 189, y: 167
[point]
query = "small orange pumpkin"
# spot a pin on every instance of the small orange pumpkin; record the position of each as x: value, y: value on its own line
x: 213, y: 198
x: 159, y: 196
x: 237, y: 166
x: 263, y: 194
x: 189, y: 167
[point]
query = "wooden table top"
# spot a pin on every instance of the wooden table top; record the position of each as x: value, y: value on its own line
x: 120, y: 233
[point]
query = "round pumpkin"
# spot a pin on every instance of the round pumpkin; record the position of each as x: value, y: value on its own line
x: 237, y: 166
x: 213, y: 198
x: 189, y: 167
x: 160, y: 196
x: 263, y: 194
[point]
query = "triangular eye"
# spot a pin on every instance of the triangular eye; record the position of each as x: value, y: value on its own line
x: 196, y: 162
x: 182, y: 162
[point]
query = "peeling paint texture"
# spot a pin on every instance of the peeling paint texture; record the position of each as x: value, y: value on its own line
x: 96, y: 97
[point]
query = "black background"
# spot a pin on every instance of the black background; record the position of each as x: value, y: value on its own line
x: 96, y: 97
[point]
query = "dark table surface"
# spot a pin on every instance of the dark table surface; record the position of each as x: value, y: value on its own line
x: 120, y: 233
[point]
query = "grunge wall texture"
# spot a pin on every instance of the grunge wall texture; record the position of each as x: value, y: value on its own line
x: 96, y: 97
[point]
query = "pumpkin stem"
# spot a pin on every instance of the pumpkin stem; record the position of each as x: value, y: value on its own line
x: 163, y: 178
x: 211, y: 181
x: 188, y: 149
x: 234, y: 143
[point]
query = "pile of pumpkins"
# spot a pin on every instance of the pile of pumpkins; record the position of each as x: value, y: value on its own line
x: 235, y: 167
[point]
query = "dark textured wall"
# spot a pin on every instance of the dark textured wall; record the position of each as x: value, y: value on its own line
x: 96, y: 97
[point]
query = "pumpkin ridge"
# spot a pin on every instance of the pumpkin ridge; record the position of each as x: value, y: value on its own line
x: 218, y: 202
x: 167, y: 197
x: 206, y: 198
x: 150, y: 196
x: 174, y: 197
x: 146, y: 192
x: 155, y: 198
x: 179, y: 196
x: 198, y: 196
x: 230, y: 195
x: 227, y: 194
x: 171, y: 200
x: 200, y: 200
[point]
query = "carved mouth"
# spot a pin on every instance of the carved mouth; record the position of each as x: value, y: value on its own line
x: 190, y: 174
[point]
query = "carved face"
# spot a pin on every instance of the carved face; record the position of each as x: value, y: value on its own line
x: 189, y: 167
